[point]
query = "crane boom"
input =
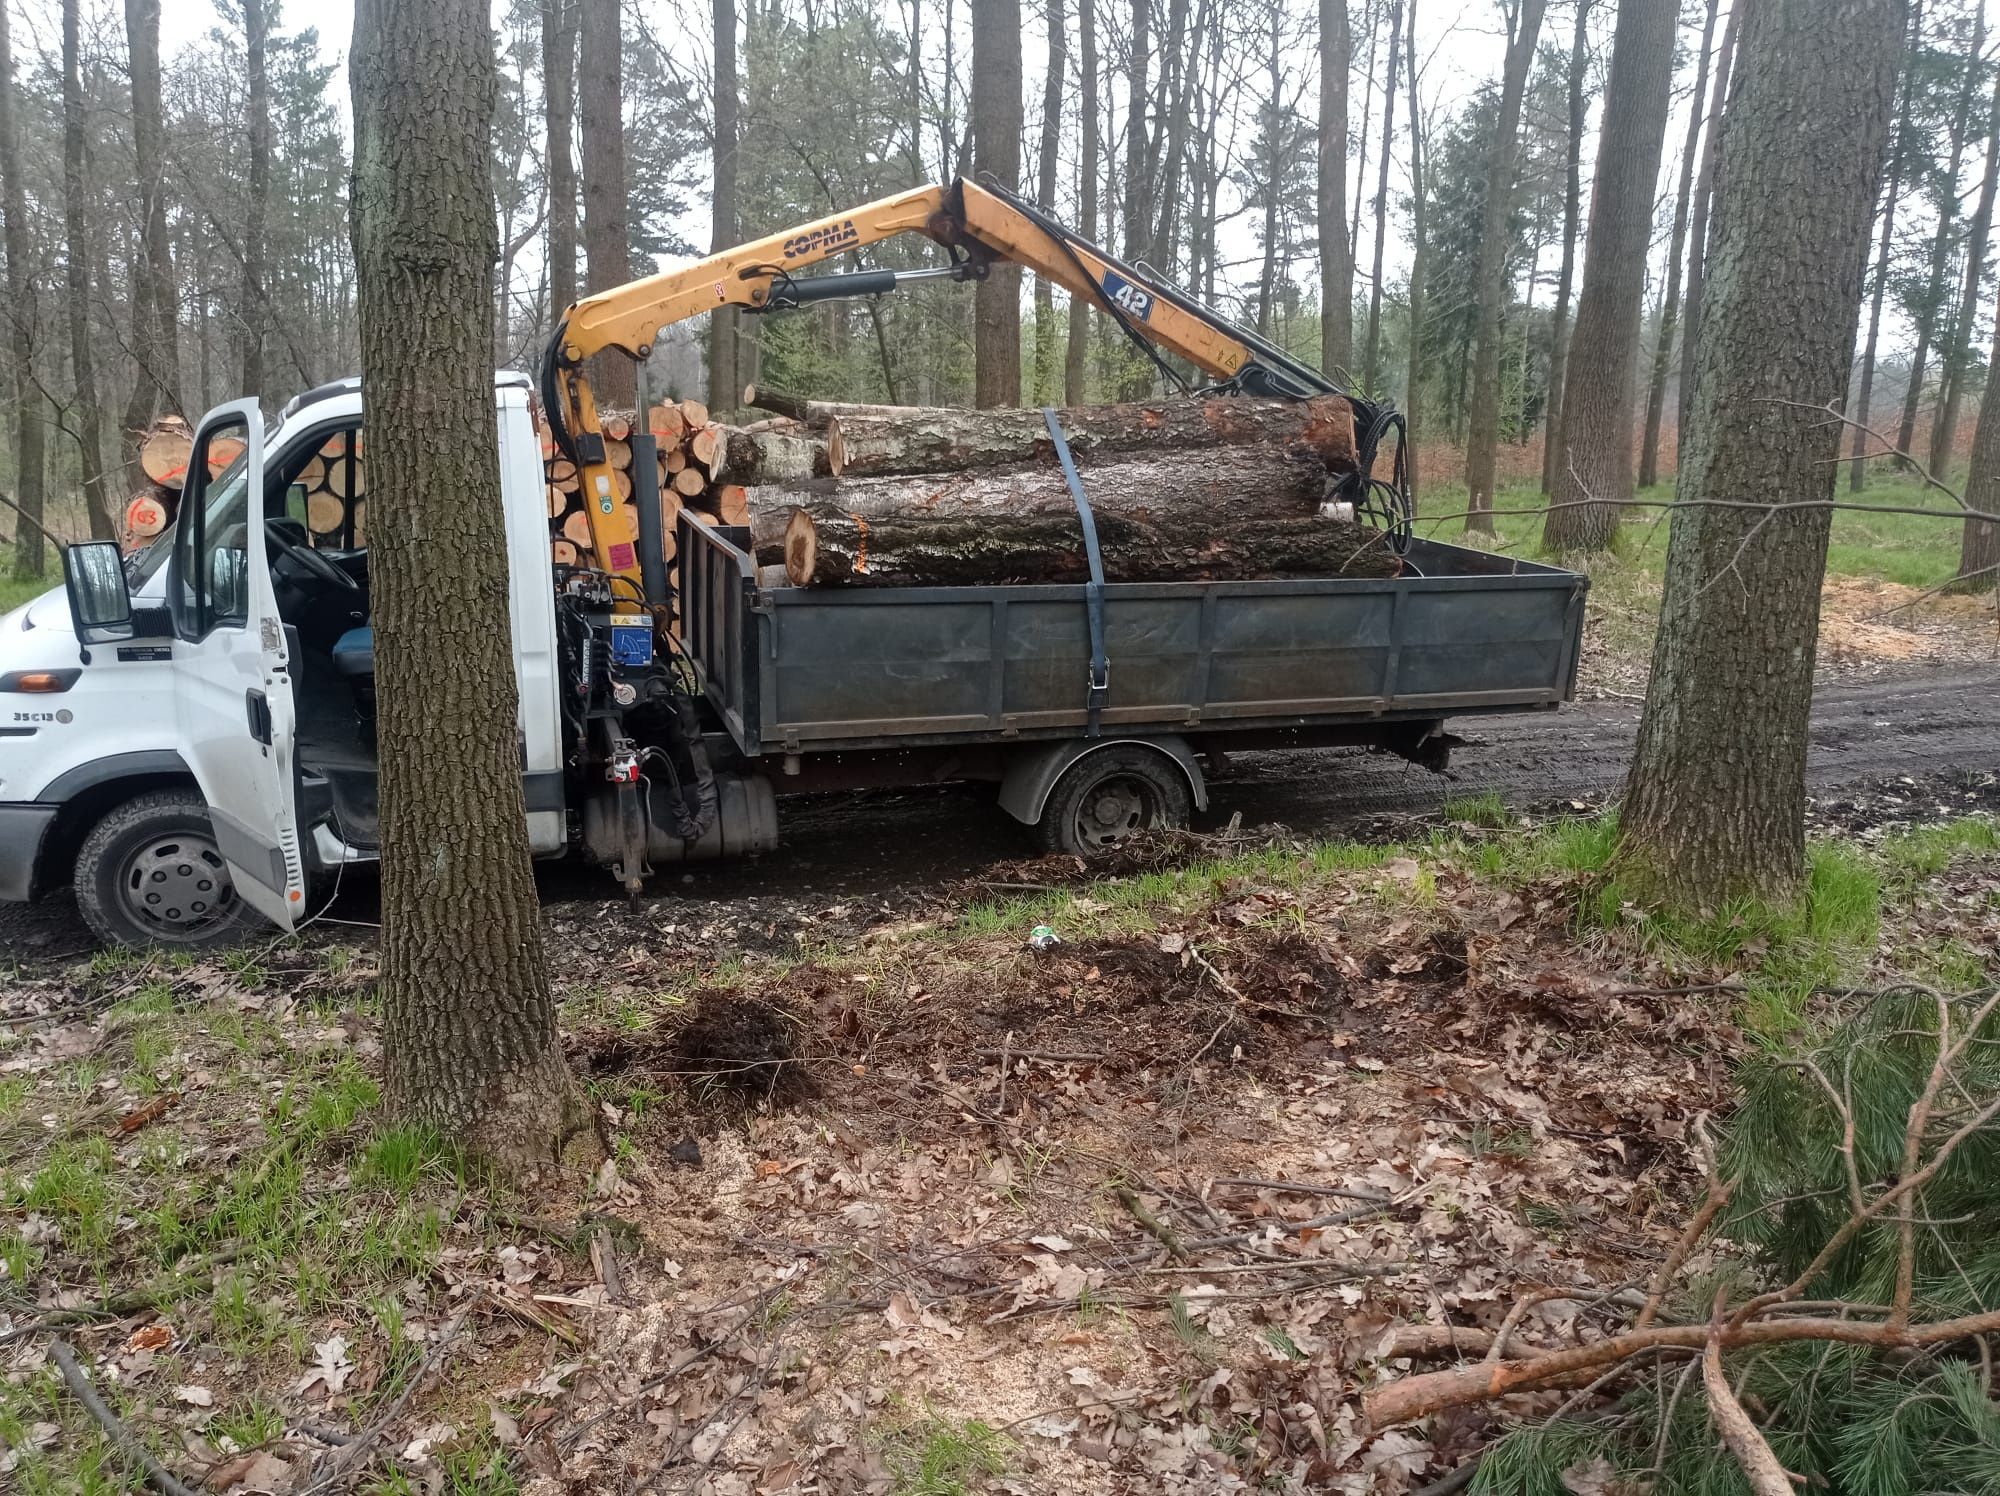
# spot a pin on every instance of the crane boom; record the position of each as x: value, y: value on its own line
x: 978, y: 225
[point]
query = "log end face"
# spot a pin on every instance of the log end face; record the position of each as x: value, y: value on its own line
x: 801, y: 548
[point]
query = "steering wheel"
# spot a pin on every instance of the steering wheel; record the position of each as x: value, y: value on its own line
x: 310, y: 561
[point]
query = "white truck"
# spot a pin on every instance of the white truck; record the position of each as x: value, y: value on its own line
x: 186, y: 735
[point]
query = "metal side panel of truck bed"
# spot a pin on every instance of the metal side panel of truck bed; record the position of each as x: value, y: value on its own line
x: 805, y: 669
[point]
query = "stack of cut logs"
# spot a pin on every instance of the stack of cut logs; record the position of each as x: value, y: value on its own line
x: 1223, y: 489
x: 164, y: 450
x: 334, y: 485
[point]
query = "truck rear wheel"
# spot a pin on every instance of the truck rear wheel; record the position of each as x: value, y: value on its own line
x: 1105, y: 797
x: 149, y: 873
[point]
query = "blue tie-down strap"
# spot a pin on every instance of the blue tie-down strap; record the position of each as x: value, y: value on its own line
x: 1093, y: 592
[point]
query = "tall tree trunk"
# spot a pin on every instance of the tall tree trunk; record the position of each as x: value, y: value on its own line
x: 1138, y: 93
x: 1267, y: 279
x: 725, y: 389
x: 1716, y: 802
x: 1372, y: 10
x: 84, y: 413
x: 1704, y: 202
x: 1076, y: 361
x: 155, y: 338
x: 1419, y: 257
x: 254, y: 313
x: 1941, y: 244
x: 559, y: 23
x: 1670, y: 299
x: 1958, y: 337
x: 606, y: 248
x: 1169, y: 142
x: 469, y: 1026
x: 1370, y: 359
x: 1045, y: 196
x: 1336, y: 261
x: 996, y: 148
x: 1857, y: 473
x: 1979, y: 544
x: 1597, y: 401
x: 1482, y: 440
x: 1579, y: 59
x: 30, y: 433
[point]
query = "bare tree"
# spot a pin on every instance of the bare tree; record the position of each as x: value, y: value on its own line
x: 1979, y: 545
x: 1958, y: 333
x: 606, y: 248
x: 1369, y: 359
x: 1579, y: 58
x: 559, y: 22
x: 725, y: 388
x: 85, y: 418
x: 1045, y: 196
x: 1864, y: 398
x: 30, y: 462
x: 253, y: 313
x: 1716, y: 801
x: 1942, y: 240
x: 1336, y: 259
x: 155, y: 334
x: 1490, y: 278
x: 1076, y: 360
x: 1138, y: 67
x: 1596, y: 471
x: 1419, y: 253
x: 469, y: 1025
x: 1704, y: 201
x: 996, y: 148
x: 1670, y: 298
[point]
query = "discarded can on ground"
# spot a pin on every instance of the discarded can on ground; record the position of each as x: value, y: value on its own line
x: 1043, y: 938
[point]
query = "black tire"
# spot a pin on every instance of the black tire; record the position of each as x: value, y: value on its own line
x: 1107, y: 796
x: 148, y: 873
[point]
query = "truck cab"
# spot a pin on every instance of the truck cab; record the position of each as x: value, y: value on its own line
x: 188, y: 739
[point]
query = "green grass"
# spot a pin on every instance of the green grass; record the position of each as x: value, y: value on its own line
x: 1925, y: 851
x: 13, y: 593
x: 941, y: 1457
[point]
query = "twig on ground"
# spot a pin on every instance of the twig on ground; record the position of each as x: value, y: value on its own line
x: 122, y: 1438
x: 1151, y: 1224
x: 1745, y: 1440
x: 355, y: 1454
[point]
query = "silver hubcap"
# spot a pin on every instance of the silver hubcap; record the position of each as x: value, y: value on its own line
x: 177, y: 885
x: 1113, y: 810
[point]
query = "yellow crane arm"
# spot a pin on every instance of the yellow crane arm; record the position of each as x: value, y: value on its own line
x: 978, y: 225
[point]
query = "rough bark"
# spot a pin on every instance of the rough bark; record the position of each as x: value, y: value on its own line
x: 1138, y: 92
x: 30, y: 434
x: 1941, y: 241
x: 1045, y: 197
x: 1158, y: 519
x: 1373, y: 350
x: 1579, y: 58
x: 1170, y: 144
x: 155, y: 341
x: 253, y: 313
x: 84, y: 415
x: 771, y: 457
x: 996, y: 148
x: 606, y: 249
x: 1979, y: 545
x: 469, y: 1026
x: 1596, y: 472
x: 1958, y: 336
x: 723, y: 380
x: 1482, y: 440
x: 1076, y: 357
x: 1704, y: 202
x: 1716, y: 802
x: 1864, y: 399
x: 1419, y: 255
x: 1336, y: 263
x: 916, y: 441
x: 1670, y: 299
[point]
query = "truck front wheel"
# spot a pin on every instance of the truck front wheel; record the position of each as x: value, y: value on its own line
x: 149, y: 873
x: 1106, y: 797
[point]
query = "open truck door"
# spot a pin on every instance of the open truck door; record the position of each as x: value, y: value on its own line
x: 232, y: 664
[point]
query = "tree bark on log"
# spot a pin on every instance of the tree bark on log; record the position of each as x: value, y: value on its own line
x: 826, y: 544
x: 772, y: 457
x: 869, y: 443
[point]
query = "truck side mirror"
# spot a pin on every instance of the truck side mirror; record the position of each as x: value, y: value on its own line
x: 100, y: 603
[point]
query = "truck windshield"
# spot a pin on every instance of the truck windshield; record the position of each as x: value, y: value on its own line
x: 145, y: 564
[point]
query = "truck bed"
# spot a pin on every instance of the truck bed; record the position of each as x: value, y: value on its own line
x: 798, y: 670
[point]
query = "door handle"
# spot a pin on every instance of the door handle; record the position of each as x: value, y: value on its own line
x: 258, y: 706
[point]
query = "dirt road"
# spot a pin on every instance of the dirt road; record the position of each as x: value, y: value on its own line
x: 1939, y: 728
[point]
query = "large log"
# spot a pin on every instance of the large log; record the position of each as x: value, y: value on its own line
x: 814, y: 414
x: 826, y: 545
x: 1247, y: 512
x: 772, y: 457
x: 867, y: 443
